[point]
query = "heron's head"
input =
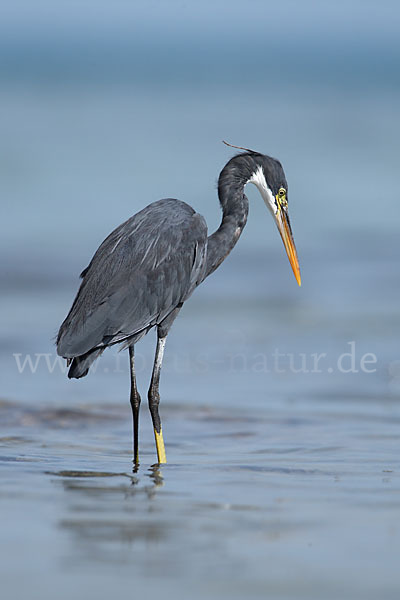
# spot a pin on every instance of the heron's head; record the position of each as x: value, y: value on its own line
x: 268, y: 176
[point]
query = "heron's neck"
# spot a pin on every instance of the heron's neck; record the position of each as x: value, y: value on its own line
x: 235, y: 208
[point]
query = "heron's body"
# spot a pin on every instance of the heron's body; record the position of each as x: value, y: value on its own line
x: 141, y: 273
x: 149, y: 266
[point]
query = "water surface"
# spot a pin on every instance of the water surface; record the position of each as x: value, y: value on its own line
x: 283, y: 474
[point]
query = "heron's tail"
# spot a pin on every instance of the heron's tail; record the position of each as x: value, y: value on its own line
x: 81, y: 364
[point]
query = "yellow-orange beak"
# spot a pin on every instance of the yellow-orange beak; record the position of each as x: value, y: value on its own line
x: 282, y: 220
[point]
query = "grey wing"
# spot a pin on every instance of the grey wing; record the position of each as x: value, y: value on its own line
x: 141, y: 272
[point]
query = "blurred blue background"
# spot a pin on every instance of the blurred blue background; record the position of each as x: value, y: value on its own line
x: 108, y: 106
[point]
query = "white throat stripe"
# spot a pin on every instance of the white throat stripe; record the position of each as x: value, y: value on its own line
x: 258, y: 178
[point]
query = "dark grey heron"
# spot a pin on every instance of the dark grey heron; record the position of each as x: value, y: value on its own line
x: 145, y: 270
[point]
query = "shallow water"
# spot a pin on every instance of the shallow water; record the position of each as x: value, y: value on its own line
x: 274, y: 504
x: 282, y: 478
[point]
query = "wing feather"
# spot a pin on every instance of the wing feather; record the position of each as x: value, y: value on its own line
x: 141, y: 272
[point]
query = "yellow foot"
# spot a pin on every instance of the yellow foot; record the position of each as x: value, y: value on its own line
x: 162, y: 458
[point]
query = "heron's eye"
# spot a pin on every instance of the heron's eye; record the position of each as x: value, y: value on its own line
x: 281, y: 198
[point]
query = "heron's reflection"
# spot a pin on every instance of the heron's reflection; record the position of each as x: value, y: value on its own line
x: 156, y: 475
x: 104, y: 507
x: 154, y: 472
x: 89, y: 480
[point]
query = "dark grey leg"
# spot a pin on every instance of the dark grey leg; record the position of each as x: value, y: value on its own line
x: 154, y: 399
x: 135, y: 404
